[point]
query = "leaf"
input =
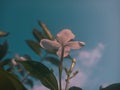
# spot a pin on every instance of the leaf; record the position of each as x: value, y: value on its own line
x: 29, y: 82
x: 115, y: 86
x: 21, y: 72
x: 52, y: 60
x: 37, y: 34
x: 3, y: 50
x: 46, y: 30
x: 9, y: 81
x: 5, y: 62
x: 40, y: 71
x: 34, y: 46
x: 3, y: 34
x: 51, y: 52
x: 75, y: 88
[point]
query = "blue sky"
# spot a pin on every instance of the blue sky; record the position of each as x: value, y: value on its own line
x: 96, y: 22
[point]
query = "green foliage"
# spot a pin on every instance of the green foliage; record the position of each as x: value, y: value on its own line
x: 5, y: 62
x: 37, y: 34
x: 9, y: 81
x: 29, y: 82
x: 52, y: 60
x: 115, y: 86
x: 34, y: 46
x: 46, y: 30
x: 40, y: 71
x: 75, y: 88
x: 3, y: 50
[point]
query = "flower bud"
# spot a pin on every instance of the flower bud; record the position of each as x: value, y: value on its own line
x: 72, y: 65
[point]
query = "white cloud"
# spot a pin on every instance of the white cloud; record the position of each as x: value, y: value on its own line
x: 91, y: 57
x: 85, y: 62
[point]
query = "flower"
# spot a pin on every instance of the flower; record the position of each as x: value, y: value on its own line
x: 19, y: 58
x: 63, y: 39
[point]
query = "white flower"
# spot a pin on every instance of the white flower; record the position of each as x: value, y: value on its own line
x: 63, y: 39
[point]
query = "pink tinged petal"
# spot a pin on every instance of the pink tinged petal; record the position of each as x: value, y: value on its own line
x: 66, y: 51
x: 64, y: 36
x: 75, y: 44
x: 14, y: 62
x: 20, y: 58
x: 23, y: 59
x: 49, y: 44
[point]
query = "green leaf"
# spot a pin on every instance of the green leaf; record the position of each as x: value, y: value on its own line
x: 53, y: 52
x: 52, y: 60
x: 37, y: 34
x: 3, y: 50
x: 46, y: 30
x: 9, y: 81
x: 75, y: 88
x: 115, y: 86
x: 3, y: 34
x: 29, y: 82
x: 5, y: 62
x: 40, y: 71
x: 34, y: 46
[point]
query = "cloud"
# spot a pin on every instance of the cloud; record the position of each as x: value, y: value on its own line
x: 91, y: 57
x: 86, y: 60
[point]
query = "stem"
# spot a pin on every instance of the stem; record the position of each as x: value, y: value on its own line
x: 67, y: 82
x: 69, y: 73
x: 60, y: 76
x: 25, y: 77
x: 60, y: 68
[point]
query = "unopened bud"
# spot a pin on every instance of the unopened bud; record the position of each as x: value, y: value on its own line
x: 72, y: 65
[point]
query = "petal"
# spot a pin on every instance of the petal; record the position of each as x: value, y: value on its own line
x: 66, y: 51
x: 14, y: 62
x: 48, y: 44
x: 75, y: 44
x: 20, y: 58
x: 64, y: 36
